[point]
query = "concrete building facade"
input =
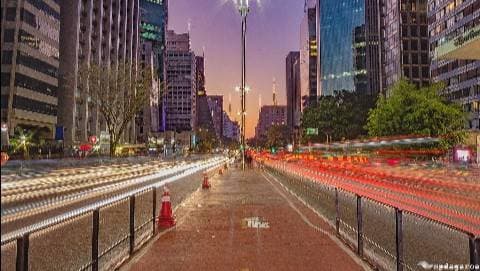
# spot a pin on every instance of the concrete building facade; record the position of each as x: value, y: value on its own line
x: 93, y: 31
x: 215, y: 105
x: 231, y: 129
x: 456, y: 24
x: 204, y: 115
x: 294, y: 98
x: 180, y: 95
x: 30, y: 65
x: 308, y: 55
x: 153, y: 29
x: 406, y: 44
x: 148, y: 120
x: 270, y: 115
x: 373, y: 48
x: 200, y: 75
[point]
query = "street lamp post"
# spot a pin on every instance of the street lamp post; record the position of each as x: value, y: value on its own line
x: 243, y: 9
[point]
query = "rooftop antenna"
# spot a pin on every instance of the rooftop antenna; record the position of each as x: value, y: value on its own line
x: 259, y: 102
x: 230, y: 104
x: 189, y: 29
x: 204, y: 65
x: 274, y: 89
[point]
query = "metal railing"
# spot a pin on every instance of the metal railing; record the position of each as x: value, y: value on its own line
x: 100, y: 236
x: 387, y: 237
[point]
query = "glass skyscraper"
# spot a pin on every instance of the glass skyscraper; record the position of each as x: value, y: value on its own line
x: 154, y: 23
x: 341, y: 23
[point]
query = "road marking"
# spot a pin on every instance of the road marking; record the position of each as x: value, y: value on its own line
x: 255, y: 222
x: 346, y: 249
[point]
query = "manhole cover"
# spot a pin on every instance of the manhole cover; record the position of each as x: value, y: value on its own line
x: 255, y: 222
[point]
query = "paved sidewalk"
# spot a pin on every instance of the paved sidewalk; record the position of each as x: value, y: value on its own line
x: 212, y: 233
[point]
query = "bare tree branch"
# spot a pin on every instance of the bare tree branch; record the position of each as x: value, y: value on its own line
x: 119, y: 93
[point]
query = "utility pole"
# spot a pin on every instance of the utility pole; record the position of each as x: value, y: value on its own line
x: 243, y: 9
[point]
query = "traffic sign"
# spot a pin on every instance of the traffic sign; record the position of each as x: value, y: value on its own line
x: 312, y: 131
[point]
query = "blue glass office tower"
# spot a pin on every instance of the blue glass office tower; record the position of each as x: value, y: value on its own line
x: 338, y: 21
x: 349, y: 56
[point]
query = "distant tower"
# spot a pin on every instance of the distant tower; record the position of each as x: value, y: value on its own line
x: 274, y: 89
x: 203, y: 55
x: 259, y: 102
x: 230, y: 104
x: 189, y: 29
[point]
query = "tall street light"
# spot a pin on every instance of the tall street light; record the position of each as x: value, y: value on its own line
x: 243, y: 8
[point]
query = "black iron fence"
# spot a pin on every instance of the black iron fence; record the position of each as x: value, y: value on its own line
x: 98, y: 237
x: 387, y: 237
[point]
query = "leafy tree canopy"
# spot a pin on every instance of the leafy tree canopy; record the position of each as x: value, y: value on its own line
x: 417, y: 111
x: 277, y: 136
x: 206, y: 140
x: 341, y: 116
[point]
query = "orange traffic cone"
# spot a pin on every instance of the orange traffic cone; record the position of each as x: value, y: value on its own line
x: 4, y: 158
x: 205, y: 184
x: 166, y: 218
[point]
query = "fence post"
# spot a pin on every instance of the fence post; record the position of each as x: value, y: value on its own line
x: 337, y: 213
x: 359, y: 227
x: 95, y: 230
x: 474, y: 245
x: 399, y: 238
x: 22, y: 252
x: 154, y: 209
x: 132, y: 224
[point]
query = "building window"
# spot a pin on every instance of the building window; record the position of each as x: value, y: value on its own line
x: 28, y: 17
x: 425, y: 72
x: 35, y: 43
x: 424, y: 44
x: 5, y: 79
x: 405, y: 45
x: 413, y: 31
x: 425, y: 59
x: 27, y: 104
x: 414, y: 45
x: 35, y: 85
x: 4, y: 101
x: 415, y: 72
x: 8, y: 35
x: 7, y: 57
x: 414, y: 58
x: 41, y: 5
x: 11, y: 14
x: 36, y: 64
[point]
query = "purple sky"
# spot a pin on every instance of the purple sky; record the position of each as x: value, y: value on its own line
x: 273, y: 29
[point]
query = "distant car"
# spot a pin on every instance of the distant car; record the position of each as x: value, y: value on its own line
x: 393, y: 162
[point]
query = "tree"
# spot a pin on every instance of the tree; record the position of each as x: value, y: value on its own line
x: 277, y: 136
x: 119, y: 94
x: 22, y: 141
x: 417, y: 111
x: 340, y: 116
x: 206, y: 140
x: 231, y: 144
